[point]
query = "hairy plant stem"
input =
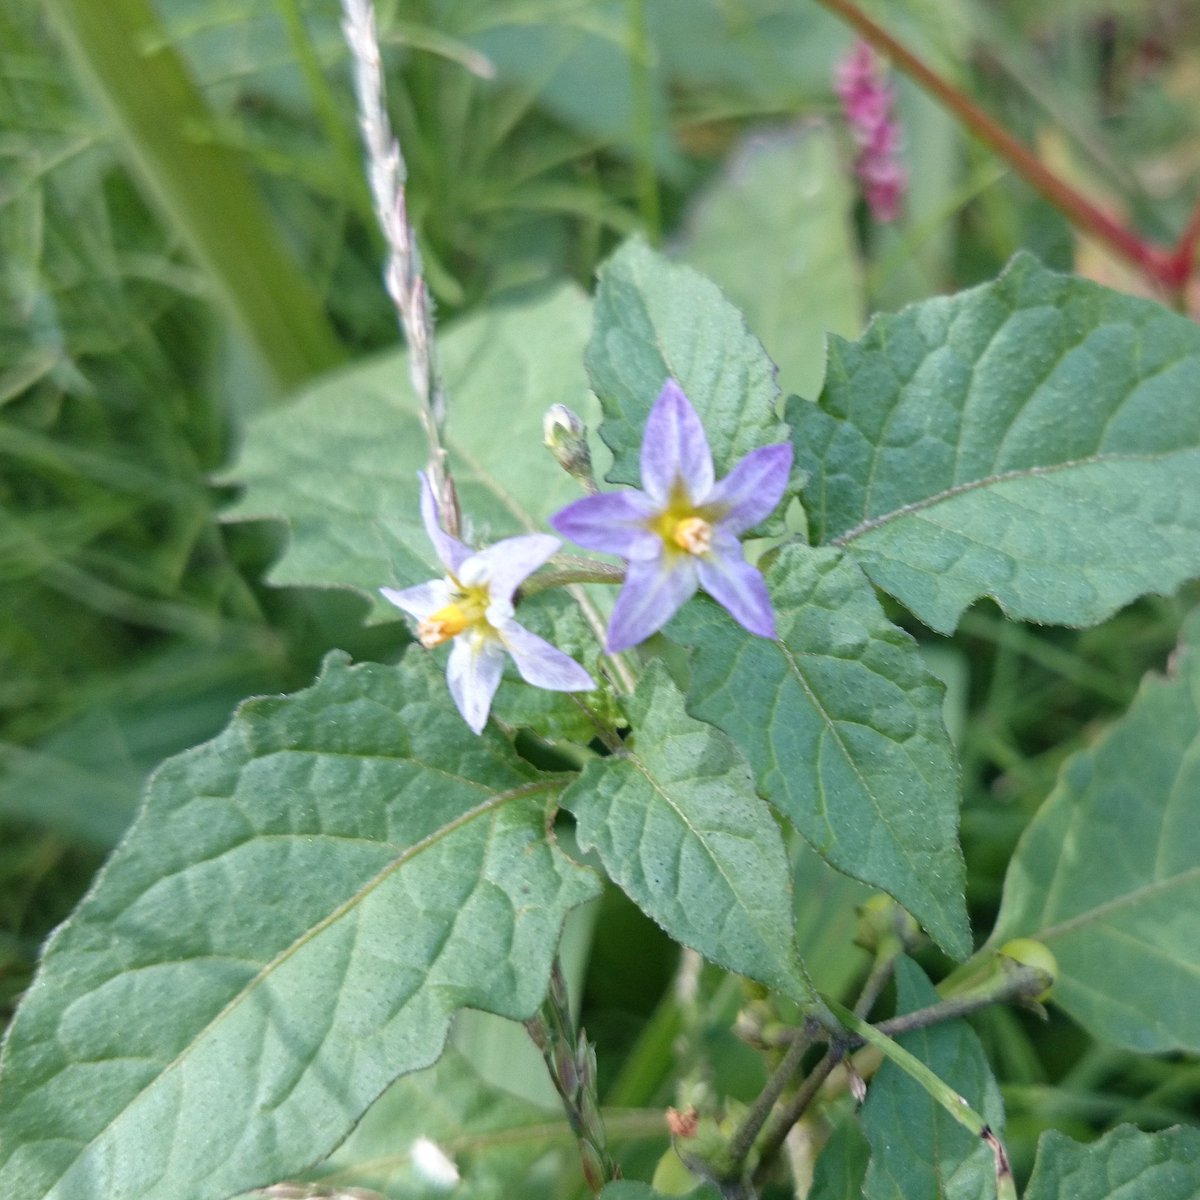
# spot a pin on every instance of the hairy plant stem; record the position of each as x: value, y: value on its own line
x: 747, y: 1133
x: 571, y: 571
x: 794, y: 1108
x: 571, y: 1062
x: 1169, y: 267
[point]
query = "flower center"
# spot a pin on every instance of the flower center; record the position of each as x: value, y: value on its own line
x: 684, y: 526
x: 468, y: 608
x: 693, y: 534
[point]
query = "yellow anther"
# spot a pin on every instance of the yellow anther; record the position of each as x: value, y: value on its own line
x: 441, y: 626
x: 693, y: 534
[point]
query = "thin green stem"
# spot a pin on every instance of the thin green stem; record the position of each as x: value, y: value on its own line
x: 956, y: 1105
x: 640, y: 65
x: 795, y: 1108
x: 745, y: 1135
x: 580, y: 571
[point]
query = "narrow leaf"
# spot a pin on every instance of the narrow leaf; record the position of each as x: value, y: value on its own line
x: 655, y: 320
x: 339, y: 466
x: 1108, y: 872
x: 1125, y: 1164
x: 678, y: 827
x: 843, y: 728
x: 918, y: 1151
x: 289, y: 925
x: 1035, y: 440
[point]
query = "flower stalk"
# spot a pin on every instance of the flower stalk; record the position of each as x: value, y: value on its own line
x: 571, y: 1061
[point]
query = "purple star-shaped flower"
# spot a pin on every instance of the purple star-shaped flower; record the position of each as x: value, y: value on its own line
x: 681, y: 532
x: 473, y: 607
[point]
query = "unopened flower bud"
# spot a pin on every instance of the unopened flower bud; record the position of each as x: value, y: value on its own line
x: 565, y: 436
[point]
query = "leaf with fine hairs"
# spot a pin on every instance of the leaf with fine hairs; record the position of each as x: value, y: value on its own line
x: 1125, y: 1164
x: 656, y: 320
x: 289, y: 925
x: 1036, y: 440
x: 1108, y: 872
x: 842, y: 725
x: 680, y: 830
x: 339, y: 465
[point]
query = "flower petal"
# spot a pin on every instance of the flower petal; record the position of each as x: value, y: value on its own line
x: 473, y: 673
x: 753, y: 489
x: 611, y: 523
x: 652, y: 594
x: 420, y: 601
x: 503, y: 565
x: 738, y: 587
x: 674, y: 447
x: 542, y: 664
x: 450, y: 551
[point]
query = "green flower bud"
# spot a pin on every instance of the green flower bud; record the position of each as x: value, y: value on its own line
x: 565, y: 436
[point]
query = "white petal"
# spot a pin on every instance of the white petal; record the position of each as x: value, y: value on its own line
x: 542, y: 664
x: 420, y: 601
x: 504, y: 565
x: 473, y: 674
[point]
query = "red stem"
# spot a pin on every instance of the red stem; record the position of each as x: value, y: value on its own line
x: 1170, y: 267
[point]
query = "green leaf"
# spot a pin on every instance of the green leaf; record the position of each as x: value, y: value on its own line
x: 340, y: 464
x: 774, y: 233
x: 1108, y: 872
x: 1035, y: 440
x: 655, y: 320
x: 1125, y: 1163
x: 841, y: 1168
x: 918, y: 1151
x: 678, y: 827
x: 842, y: 725
x: 288, y: 926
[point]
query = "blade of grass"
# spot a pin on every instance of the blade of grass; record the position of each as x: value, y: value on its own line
x: 201, y: 187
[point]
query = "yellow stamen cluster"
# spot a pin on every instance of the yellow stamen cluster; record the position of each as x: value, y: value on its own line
x: 441, y: 626
x: 468, y: 608
x: 693, y: 534
x: 682, y: 526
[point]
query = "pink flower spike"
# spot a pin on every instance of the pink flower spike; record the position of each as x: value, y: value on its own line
x: 868, y: 104
x: 680, y: 533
